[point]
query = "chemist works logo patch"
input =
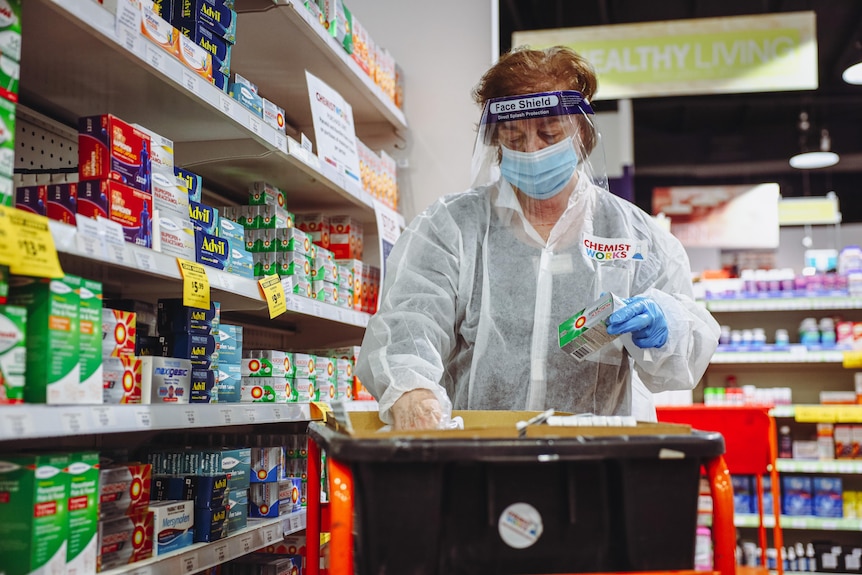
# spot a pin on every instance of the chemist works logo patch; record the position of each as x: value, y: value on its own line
x: 609, y: 249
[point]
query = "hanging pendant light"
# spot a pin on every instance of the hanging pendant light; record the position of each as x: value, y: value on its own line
x: 813, y: 157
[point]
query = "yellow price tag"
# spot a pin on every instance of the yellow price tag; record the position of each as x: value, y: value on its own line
x: 196, y: 284
x: 852, y: 359
x: 273, y: 293
x: 29, y: 246
x: 815, y: 413
x: 848, y: 413
x: 320, y: 410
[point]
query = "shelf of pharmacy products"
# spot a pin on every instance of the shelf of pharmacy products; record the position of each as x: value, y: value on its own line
x: 838, y: 466
x: 96, y: 256
x: 788, y: 354
x: 114, y: 71
x: 31, y: 421
x: 201, y: 556
x: 804, y: 523
x: 839, y: 413
x: 811, y: 303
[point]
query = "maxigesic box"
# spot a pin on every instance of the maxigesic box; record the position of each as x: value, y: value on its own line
x: 165, y: 380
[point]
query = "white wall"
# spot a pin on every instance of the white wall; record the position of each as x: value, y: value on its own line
x: 443, y: 47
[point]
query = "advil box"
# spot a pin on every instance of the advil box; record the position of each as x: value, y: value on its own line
x: 214, y: 14
x: 109, y: 148
x: 34, y: 493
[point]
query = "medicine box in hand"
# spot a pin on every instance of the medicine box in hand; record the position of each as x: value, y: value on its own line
x: 586, y: 331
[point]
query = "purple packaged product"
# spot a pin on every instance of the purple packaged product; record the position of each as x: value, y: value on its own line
x: 204, y: 218
x: 93, y: 198
x: 743, y: 502
x: 211, y: 250
x: 221, y: 81
x: 207, y: 491
x: 194, y: 346
x: 796, y: 496
x: 62, y: 202
x: 109, y: 148
x: 33, y: 199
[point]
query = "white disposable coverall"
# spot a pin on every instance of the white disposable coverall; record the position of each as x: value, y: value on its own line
x: 473, y: 297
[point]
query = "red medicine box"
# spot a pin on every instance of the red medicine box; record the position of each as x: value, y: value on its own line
x: 109, y: 148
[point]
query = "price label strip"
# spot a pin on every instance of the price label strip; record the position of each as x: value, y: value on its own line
x: 273, y: 293
x: 196, y: 284
x: 29, y: 242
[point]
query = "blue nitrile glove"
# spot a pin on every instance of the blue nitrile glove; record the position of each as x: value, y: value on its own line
x: 643, y: 318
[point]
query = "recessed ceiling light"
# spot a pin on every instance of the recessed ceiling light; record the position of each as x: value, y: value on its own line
x: 853, y: 74
x: 812, y: 160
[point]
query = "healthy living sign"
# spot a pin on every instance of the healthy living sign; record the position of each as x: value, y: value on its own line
x: 765, y: 53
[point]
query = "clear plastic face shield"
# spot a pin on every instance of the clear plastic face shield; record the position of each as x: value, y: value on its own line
x: 543, y: 144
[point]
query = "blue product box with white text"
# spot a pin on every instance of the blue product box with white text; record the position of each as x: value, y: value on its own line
x: 211, y: 250
x: 204, y: 218
x: 192, y: 182
x: 245, y: 92
x: 214, y: 14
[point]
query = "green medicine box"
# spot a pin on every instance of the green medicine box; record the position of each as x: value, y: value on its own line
x: 586, y: 331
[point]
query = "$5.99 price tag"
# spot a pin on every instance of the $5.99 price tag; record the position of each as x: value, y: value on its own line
x: 196, y: 284
x: 26, y: 244
x: 273, y: 293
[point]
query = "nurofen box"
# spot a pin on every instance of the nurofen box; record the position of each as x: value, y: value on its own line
x: 109, y: 148
x: 119, y: 330
x: 34, y: 493
x: 93, y: 198
x: 33, y: 199
x: 52, y: 324
x: 121, y: 379
x: 305, y: 389
x: 273, y: 115
x: 325, y: 292
x: 346, y: 237
x: 263, y: 500
x: 265, y: 363
x: 265, y: 464
x: 264, y: 390
x: 90, y: 343
x: 586, y: 331
x: 192, y: 182
x: 165, y: 380
x: 10, y: 74
x: 83, y: 507
x: 297, y: 284
x: 124, y: 489
x: 324, y: 267
x: 173, y: 525
x: 305, y: 365
x: 317, y: 226
x: 293, y: 264
x: 62, y: 202
x: 293, y: 240
x: 132, y: 209
x: 10, y: 28
x: 264, y: 193
x: 125, y: 540
x: 13, y: 353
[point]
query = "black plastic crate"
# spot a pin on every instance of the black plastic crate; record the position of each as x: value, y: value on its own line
x: 430, y: 506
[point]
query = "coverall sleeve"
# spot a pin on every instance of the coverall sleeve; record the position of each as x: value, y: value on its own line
x: 692, y: 331
x: 410, y: 339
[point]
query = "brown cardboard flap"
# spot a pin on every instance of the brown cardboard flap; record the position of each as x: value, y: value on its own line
x: 500, y: 424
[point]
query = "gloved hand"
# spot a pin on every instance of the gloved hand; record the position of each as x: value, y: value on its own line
x: 643, y: 318
x: 417, y: 409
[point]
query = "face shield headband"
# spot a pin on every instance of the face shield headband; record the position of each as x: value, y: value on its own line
x: 536, y: 141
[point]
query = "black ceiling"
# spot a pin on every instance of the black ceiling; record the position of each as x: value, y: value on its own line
x: 738, y: 138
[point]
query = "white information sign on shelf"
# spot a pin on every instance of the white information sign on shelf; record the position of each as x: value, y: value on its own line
x: 90, y: 238
x: 333, y: 127
x: 18, y: 425
x: 128, y: 24
x: 115, y: 241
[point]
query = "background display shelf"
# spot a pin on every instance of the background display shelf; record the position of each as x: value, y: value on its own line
x: 839, y: 466
x: 201, y: 556
x: 784, y: 304
x: 214, y: 136
x: 805, y: 523
x: 795, y: 354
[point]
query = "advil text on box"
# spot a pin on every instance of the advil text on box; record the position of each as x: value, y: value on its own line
x: 109, y: 148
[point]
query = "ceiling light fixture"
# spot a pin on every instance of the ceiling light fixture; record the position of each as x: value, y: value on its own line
x: 813, y: 157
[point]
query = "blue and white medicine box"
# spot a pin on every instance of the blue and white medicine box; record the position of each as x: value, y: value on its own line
x: 245, y: 92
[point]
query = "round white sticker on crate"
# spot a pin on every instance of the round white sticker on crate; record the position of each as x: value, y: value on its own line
x: 520, y: 525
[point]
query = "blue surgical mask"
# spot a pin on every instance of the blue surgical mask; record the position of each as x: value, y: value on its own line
x: 541, y: 174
